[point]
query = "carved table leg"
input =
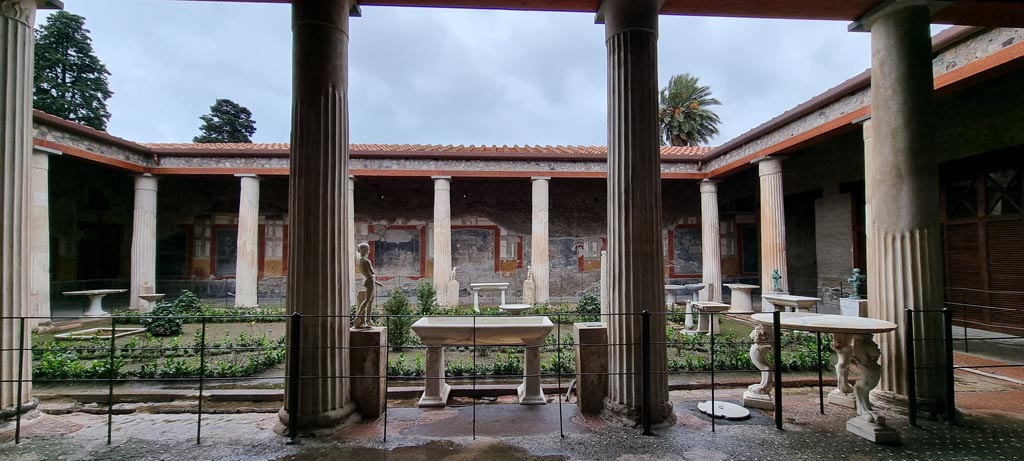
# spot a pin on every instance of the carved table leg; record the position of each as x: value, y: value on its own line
x: 760, y: 395
x: 868, y: 423
x: 435, y: 389
x: 842, y: 395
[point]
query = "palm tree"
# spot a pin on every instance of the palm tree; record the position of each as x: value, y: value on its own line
x: 685, y: 112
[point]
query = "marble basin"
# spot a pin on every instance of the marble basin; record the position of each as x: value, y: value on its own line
x: 490, y: 331
x: 790, y: 302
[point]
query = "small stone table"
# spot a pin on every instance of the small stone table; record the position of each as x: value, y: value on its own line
x: 792, y: 303
x: 515, y: 309
x: 741, y: 298
x: 670, y: 295
x: 694, y: 289
x: 96, y: 300
x: 476, y: 288
x: 705, y: 321
x: 854, y: 344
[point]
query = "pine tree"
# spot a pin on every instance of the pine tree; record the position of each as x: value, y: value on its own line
x: 70, y: 81
x: 227, y: 121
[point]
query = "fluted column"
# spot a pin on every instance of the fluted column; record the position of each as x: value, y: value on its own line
x: 443, y: 238
x: 539, y: 240
x: 318, y: 254
x: 773, y: 224
x: 143, y: 240
x: 636, y: 276
x: 16, y: 19
x: 352, y: 237
x: 247, y: 269
x: 711, y: 251
x: 902, y: 196
x: 39, y: 235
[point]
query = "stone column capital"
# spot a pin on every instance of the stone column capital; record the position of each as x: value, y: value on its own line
x: 145, y: 181
x: 709, y: 186
x: 624, y: 15
x: 23, y: 11
x: 767, y: 165
x: 540, y: 178
x: 868, y: 20
x: 442, y: 182
x: 248, y: 175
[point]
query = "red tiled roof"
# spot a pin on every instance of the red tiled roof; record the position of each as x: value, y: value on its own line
x: 418, y: 149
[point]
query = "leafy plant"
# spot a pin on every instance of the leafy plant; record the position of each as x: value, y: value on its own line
x: 589, y: 308
x: 164, y: 321
x: 426, y: 297
x: 399, y: 319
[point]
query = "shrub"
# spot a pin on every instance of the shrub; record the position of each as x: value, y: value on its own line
x: 163, y: 321
x: 589, y: 308
x: 426, y: 297
x: 188, y: 303
x: 399, y: 319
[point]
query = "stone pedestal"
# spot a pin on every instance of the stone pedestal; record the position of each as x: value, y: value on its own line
x: 318, y: 253
x: 760, y: 395
x: 39, y: 235
x: 369, y: 364
x: 247, y: 259
x: 843, y: 399
x: 539, y: 240
x: 591, y: 344
x: 773, y: 223
x: 530, y: 392
x: 904, y: 250
x: 443, y: 239
x: 143, y: 269
x: 711, y: 250
x: 529, y: 292
x: 635, y: 269
x: 16, y: 20
x: 741, y: 299
x: 853, y: 307
x: 435, y: 389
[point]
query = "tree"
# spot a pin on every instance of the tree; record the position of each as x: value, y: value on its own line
x: 227, y: 121
x: 685, y: 112
x: 70, y: 81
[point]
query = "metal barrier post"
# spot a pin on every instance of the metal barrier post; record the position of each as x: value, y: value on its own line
x: 645, y: 340
x: 947, y: 316
x: 911, y: 367
x: 21, y: 380
x: 777, y: 339
x: 110, y: 377
x: 821, y: 381
x: 294, y: 370
x: 712, y: 325
x: 202, y: 375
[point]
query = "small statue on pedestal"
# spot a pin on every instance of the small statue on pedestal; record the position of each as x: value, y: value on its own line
x: 776, y: 278
x: 857, y: 281
x: 364, y: 310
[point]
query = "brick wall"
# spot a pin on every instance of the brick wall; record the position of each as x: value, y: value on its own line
x: 834, y: 243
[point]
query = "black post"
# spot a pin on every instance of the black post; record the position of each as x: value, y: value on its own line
x: 821, y: 381
x: 947, y: 315
x: 558, y: 359
x: 711, y: 334
x: 911, y: 367
x: 202, y: 375
x: 645, y: 340
x: 110, y: 377
x: 777, y: 340
x: 963, y: 308
x: 21, y: 380
x: 294, y: 371
x: 387, y: 375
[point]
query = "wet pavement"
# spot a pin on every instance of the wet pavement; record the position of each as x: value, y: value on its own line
x: 990, y: 431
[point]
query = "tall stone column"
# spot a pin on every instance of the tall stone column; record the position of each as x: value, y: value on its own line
x: 318, y: 197
x: 39, y: 235
x: 539, y: 240
x: 711, y: 251
x: 352, y: 237
x: 16, y: 20
x: 636, y: 275
x: 773, y: 224
x: 143, y: 240
x: 443, y: 238
x: 902, y: 196
x: 247, y: 262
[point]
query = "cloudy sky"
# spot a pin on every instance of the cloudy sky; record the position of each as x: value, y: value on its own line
x: 444, y: 76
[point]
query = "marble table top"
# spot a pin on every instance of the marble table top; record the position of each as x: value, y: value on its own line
x: 827, y: 323
x: 710, y: 306
x: 489, y: 286
x: 515, y: 308
x: 95, y: 292
x: 742, y: 286
x: 675, y: 287
x: 787, y: 297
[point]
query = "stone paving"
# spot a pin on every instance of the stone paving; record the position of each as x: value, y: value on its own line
x: 505, y: 431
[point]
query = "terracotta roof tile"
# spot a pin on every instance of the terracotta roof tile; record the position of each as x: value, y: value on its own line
x: 419, y: 149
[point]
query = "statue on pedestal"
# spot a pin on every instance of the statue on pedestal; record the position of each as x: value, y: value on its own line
x: 452, y: 289
x: 857, y: 280
x: 529, y: 287
x: 364, y: 309
x: 776, y: 278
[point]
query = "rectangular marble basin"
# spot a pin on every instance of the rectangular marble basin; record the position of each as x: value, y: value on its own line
x: 486, y: 331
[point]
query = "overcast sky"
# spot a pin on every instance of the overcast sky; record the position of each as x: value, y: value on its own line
x: 444, y: 76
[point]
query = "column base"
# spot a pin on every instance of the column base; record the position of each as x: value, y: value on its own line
x: 338, y: 417
x: 877, y: 433
x: 435, y: 401
x: 11, y: 412
x: 762, y: 401
x: 843, y: 399
x: 527, y: 398
x: 628, y: 416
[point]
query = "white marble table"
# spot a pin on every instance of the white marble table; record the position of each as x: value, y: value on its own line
x: 476, y: 288
x: 792, y: 303
x: 742, y: 301
x: 705, y: 321
x: 515, y: 309
x: 670, y: 295
x: 95, y: 300
x: 694, y: 290
x: 853, y: 343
